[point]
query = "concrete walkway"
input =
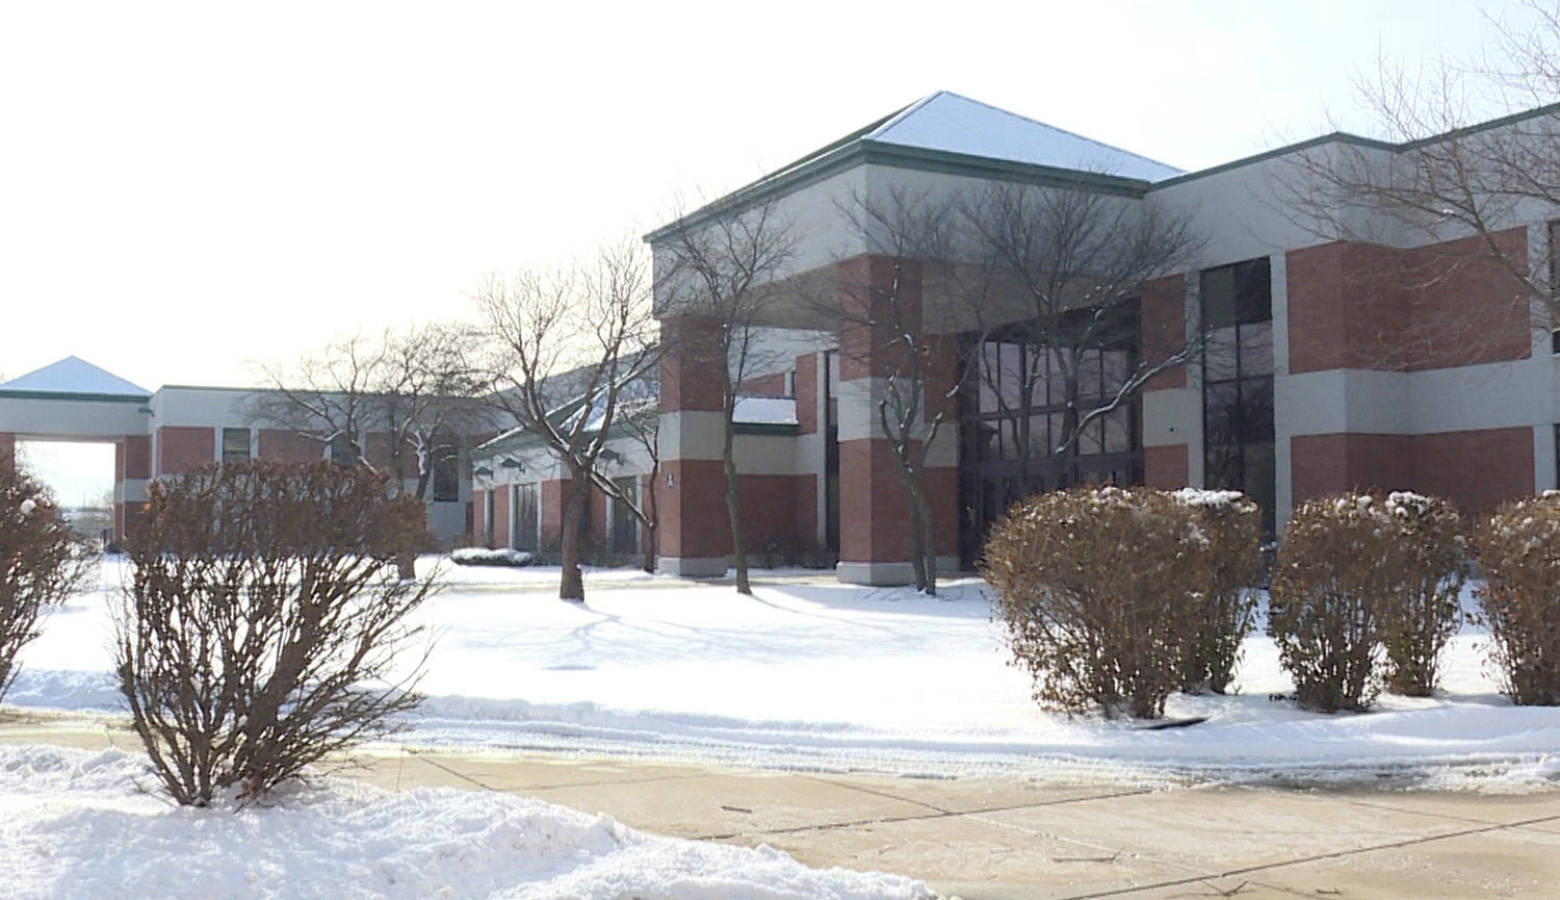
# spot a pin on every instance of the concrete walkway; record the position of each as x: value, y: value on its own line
x: 981, y: 838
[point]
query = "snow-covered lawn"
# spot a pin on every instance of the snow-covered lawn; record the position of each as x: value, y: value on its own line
x: 73, y: 824
x: 811, y: 673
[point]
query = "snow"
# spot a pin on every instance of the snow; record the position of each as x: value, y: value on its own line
x: 481, y: 556
x: 812, y: 674
x: 764, y: 411
x: 949, y: 122
x: 73, y: 375
x: 77, y: 824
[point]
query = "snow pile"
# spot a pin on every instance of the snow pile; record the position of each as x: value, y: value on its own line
x: 76, y: 824
x: 764, y: 411
x: 480, y: 556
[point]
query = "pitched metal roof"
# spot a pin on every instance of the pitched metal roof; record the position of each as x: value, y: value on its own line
x: 953, y: 123
x: 74, y: 376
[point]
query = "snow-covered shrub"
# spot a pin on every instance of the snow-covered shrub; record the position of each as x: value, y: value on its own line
x: 482, y: 556
x: 1421, y: 613
x: 262, y: 627
x: 41, y: 563
x: 1220, y: 608
x: 1340, y: 556
x: 1091, y: 585
x: 1519, y: 552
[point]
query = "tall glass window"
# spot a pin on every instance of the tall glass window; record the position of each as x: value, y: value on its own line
x: 1237, y: 314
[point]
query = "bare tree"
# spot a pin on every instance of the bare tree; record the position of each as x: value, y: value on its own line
x: 724, y: 268
x: 414, y: 389
x: 1442, y: 183
x: 564, y: 345
x: 1061, y: 272
x: 640, y: 422
x: 885, y: 327
x: 41, y: 564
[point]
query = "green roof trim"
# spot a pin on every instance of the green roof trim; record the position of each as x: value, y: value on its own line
x: 855, y: 149
x: 7, y: 394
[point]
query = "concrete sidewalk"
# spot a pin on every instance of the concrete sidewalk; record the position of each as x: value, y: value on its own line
x: 984, y: 838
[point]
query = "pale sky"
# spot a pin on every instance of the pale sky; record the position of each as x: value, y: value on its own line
x: 185, y: 189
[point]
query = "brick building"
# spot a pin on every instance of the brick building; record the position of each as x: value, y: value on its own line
x: 171, y: 430
x: 1387, y: 363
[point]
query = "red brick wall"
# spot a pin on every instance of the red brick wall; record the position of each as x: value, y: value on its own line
x: 501, y: 516
x: 7, y: 449
x: 807, y: 393
x: 284, y: 444
x: 691, y: 366
x: 180, y: 449
x: 763, y: 386
x: 133, y: 457
x: 693, y: 508
x: 874, y: 511
x: 865, y: 283
x: 941, y: 486
x: 1166, y: 467
x: 1164, y: 329
x: 1476, y: 469
x: 1366, y: 306
x: 551, y: 512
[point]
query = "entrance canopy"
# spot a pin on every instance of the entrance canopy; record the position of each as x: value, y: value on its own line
x: 73, y: 400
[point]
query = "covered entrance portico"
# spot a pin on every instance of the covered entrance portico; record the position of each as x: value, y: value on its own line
x: 73, y: 400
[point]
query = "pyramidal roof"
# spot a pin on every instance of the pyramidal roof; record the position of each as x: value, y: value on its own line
x: 73, y: 375
x: 952, y: 123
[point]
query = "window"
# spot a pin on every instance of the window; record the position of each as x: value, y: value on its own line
x: 446, y: 471
x: 1237, y: 314
x: 342, y: 450
x: 625, y: 527
x: 235, y: 445
x: 1014, y: 412
x: 525, y: 513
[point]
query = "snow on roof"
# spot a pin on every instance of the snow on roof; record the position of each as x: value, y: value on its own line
x: 73, y: 375
x: 956, y: 124
x: 764, y: 411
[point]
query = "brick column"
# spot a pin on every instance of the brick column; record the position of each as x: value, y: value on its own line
x: 7, y: 449
x: 132, y: 472
x: 695, y: 535
x: 874, y: 508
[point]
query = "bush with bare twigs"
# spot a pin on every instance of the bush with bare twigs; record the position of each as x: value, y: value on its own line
x: 264, y: 626
x: 1519, y: 551
x: 1422, y: 612
x: 1220, y: 607
x: 41, y: 564
x: 1337, y: 560
x: 1093, y: 587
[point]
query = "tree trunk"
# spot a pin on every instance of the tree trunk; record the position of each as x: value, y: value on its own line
x: 572, y: 584
x: 652, y: 520
x: 734, y: 512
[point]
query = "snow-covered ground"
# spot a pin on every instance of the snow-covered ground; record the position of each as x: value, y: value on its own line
x: 75, y: 824
x: 810, y: 673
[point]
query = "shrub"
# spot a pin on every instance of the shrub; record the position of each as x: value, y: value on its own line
x: 1219, y: 609
x: 1421, y: 611
x: 1519, y: 551
x: 41, y: 564
x: 1090, y: 584
x: 264, y: 625
x: 1339, y: 556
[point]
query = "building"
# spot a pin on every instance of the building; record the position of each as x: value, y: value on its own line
x: 1392, y: 362
x: 178, y: 427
